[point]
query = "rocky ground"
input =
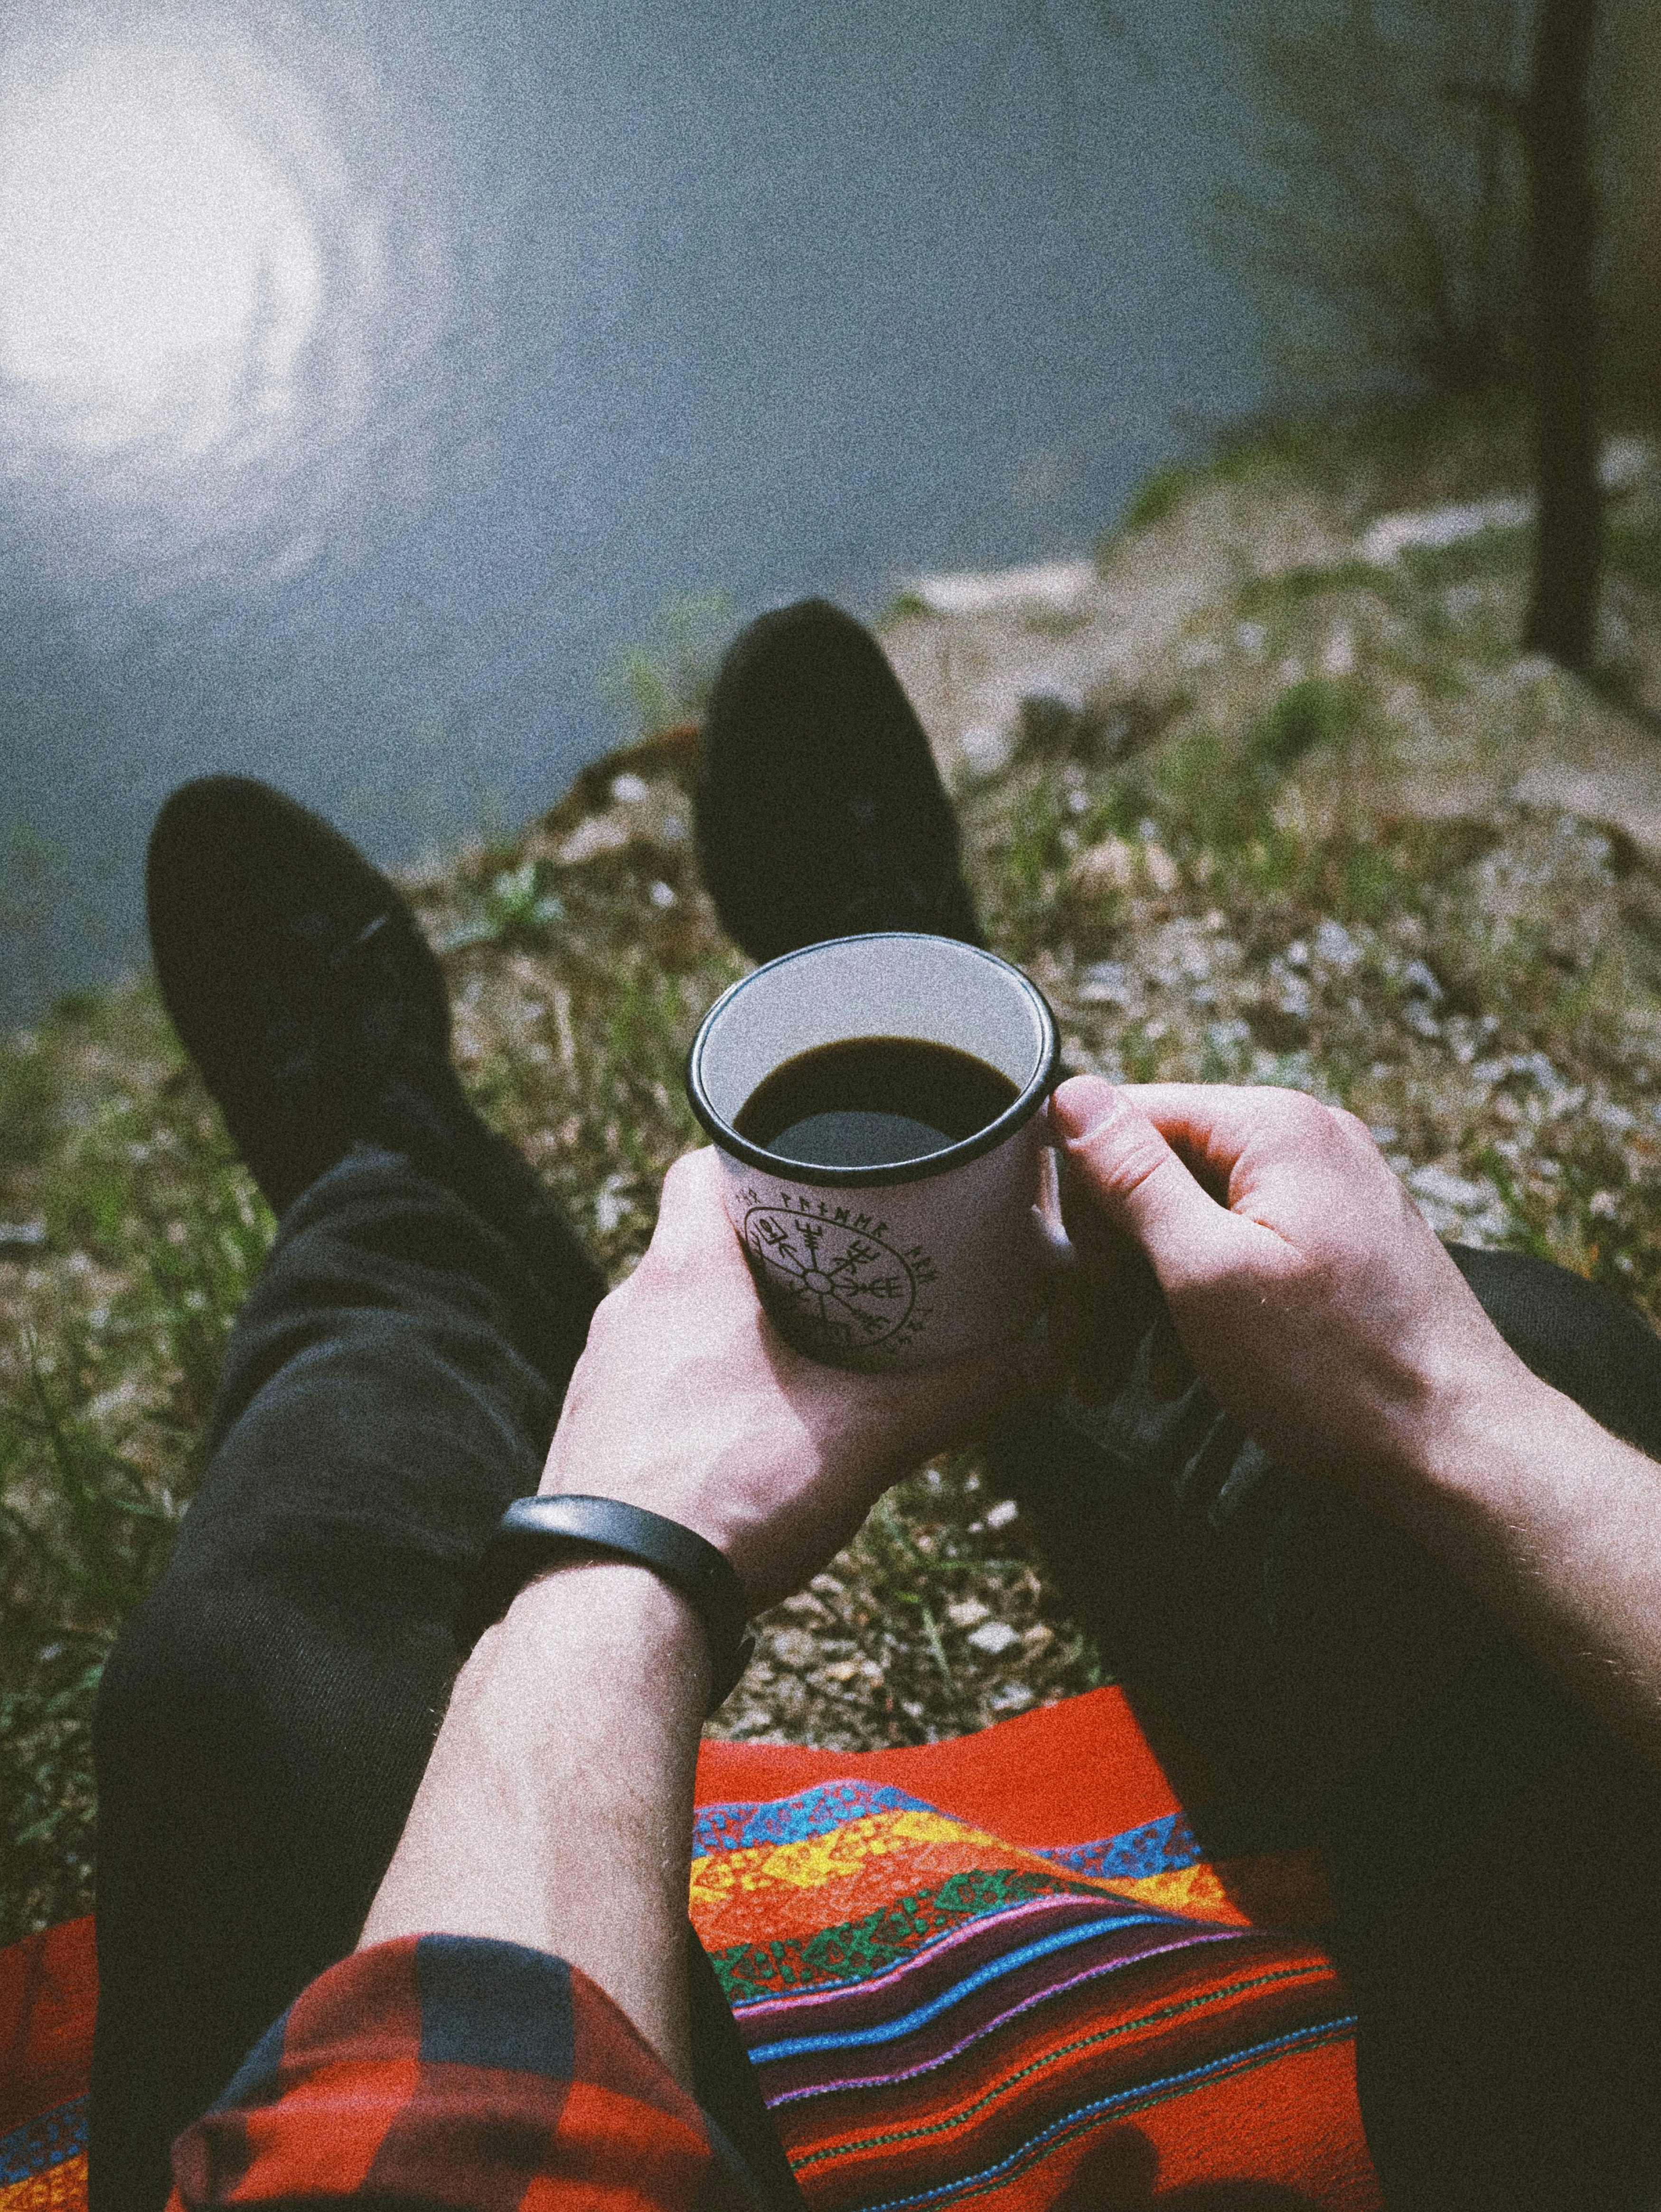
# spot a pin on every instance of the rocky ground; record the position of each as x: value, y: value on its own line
x: 1251, y: 801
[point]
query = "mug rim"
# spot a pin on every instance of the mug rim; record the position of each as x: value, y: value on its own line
x: 881, y: 1177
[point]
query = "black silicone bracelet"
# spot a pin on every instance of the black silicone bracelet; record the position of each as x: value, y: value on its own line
x: 535, y: 1531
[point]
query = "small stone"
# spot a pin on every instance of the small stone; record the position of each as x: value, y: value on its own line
x: 1335, y: 947
x: 592, y: 840
x: 1099, y: 869
x: 629, y: 790
x: 1001, y: 1515
x: 985, y: 750
x: 661, y: 897
x: 995, y: 1638
x: 1011, y: 1697
x: 1162, y: 871
x: 1442, y: 1187
x: 967, y: 1613
x: 1107, y: 983
x: 610, y: 1204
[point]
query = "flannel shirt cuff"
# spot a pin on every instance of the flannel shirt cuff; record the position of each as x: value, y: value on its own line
x: 456, y: 2071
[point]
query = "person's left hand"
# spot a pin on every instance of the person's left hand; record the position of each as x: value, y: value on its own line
x: 687, y: 1401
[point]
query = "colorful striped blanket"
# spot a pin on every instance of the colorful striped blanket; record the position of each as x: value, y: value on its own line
x: 1000, y: 1972
x: 996, y: 1972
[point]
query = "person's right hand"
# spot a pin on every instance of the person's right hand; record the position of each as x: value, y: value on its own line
x: 1308, y: 1292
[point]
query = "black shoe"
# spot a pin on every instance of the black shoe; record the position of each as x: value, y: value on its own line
x: 300, y: 983
x: 820, y: 810
x: 294, y: 972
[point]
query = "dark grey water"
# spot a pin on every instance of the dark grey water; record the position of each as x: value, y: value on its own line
x: 370, y: 373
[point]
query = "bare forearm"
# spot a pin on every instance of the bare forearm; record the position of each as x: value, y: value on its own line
x: 1557, y: 1525
x: 556, y: 1810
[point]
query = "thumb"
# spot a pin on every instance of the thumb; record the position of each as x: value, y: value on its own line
x: 692, y: 1226
x: 1135, y: 1182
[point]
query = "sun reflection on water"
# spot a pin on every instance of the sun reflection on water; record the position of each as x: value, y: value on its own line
x: 155, y: 261
x: 204, y: 277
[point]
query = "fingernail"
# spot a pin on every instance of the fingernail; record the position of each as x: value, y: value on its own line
x: 1078, y: 1104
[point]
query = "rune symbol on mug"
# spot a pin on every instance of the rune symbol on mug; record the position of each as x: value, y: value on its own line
x: 843, y: 1281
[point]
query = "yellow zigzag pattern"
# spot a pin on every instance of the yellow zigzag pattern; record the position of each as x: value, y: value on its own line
x: 847, y: 1853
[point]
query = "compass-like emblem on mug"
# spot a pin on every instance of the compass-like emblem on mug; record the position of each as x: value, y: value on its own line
x: 838, y: 1280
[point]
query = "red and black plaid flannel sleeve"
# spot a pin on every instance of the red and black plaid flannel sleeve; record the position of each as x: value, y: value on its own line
x: 452, y: 2071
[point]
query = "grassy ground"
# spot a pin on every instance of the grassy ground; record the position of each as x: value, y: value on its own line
x: 1208, y: 876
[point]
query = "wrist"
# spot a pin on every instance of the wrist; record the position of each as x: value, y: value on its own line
x: 606, y: 1622
x: 1483, y: 1454
x: 536, y: 1532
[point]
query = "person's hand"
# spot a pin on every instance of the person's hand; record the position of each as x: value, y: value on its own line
x: 1307, y: 1290
x: 687, y: 1401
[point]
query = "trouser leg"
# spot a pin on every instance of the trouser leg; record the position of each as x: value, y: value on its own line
x: 267, y: 1715
x: 268, y: 1711
x: 1498, y: 1870
x: 1311, y: 1675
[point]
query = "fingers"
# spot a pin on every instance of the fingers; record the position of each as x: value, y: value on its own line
x: 1216, y: 1126
x: 1121, y: 1156
x: 933, y: 1409
x: 692, y: 1228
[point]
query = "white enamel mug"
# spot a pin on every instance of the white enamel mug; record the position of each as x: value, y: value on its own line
x: 915, y: 1262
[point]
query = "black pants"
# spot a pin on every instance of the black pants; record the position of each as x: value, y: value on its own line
x: 1309, y: 1676
x: 265, y: 1718
x: 391, y: 1383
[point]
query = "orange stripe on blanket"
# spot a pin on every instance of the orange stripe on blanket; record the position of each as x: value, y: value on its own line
x: 1064, y: 1774
x: 48, y: 1999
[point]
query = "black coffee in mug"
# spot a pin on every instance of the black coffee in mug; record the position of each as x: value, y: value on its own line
x: 874, y: 1101
x: 890, y: 1193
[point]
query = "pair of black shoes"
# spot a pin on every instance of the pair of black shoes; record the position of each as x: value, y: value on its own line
x: 301, y: 984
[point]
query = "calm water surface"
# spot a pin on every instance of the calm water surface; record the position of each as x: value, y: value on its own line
x: 370, y: 373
